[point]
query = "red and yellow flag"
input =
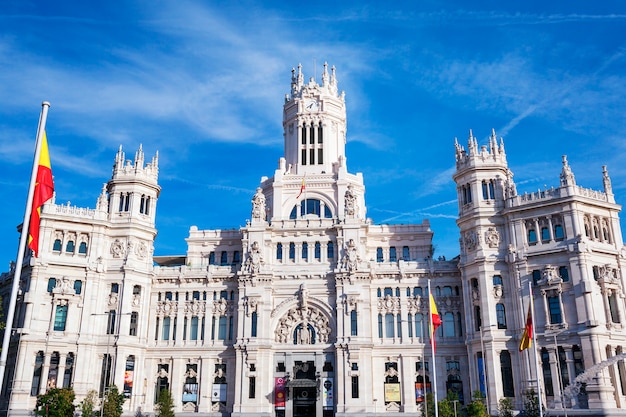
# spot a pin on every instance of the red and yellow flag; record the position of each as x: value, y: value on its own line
x: 527, y: 337
x: 44, y: 189
x: 435, y: 321
x: 302, y: 187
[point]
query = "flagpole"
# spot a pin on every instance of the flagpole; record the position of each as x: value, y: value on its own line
x: 432, y: 350
x: 532, y: 314
x: 22, y: 246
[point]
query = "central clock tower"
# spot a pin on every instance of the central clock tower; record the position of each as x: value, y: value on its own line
x: 314, y: 123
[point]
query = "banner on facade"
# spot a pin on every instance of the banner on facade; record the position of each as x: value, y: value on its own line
x: 481, y: 376
x: 392, y: 392
x: 327, y: 392
x: 219, y: 393
x: 421, y: 390
x: 190, y: 393
x: 279, y: 392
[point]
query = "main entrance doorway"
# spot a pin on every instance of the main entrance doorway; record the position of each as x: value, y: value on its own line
x: 304, y: 401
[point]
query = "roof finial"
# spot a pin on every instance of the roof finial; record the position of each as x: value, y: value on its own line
x: 567, y: 176
x: 606, y: 180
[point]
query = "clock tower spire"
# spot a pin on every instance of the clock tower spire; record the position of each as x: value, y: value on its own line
x: 314, y: 123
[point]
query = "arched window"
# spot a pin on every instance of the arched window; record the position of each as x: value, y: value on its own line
x: 545, y: 234
x: 305, y: 251
x: 253, y: 328
x: 532, y: 236
x: 318, y: 250
x: 409, y: 321
x: 310, y: 207
x: 69, y: 370
x: 292, y: 251
x: 447, y: 291
x: 212, y: 258
x: 506, y: 370
x: 497, y: 280
x: 193, y: 328
x: 389, y: 328
x: 379, y: 254
x: 448, y: 325
x: 330, y: 251
x: 380, y: 325
x: 500, y: 316
x: 478, y: 322
x: 392, y: 254
x: 36, y: 384
x: 82, y: 248
x: 558, y: 232
x: 166, y: 328
x: 56, y: 247
x: 69, y: 248
x: 279, y: 251
x: 224, y: 258
x: 419, y: 324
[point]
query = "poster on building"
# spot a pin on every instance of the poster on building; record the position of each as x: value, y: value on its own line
x: 421, y: 390
x: 327, y: 393
x: 190, y: 393
x: 219, y: 393
x: 392, y: 392
x: 481, y: 376
x: 128, y: 383
x: 279, y: 392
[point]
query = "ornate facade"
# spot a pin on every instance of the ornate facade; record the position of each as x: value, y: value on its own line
x: 312, y: 310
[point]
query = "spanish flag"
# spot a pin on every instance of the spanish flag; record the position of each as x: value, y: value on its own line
x: 435, y: 321
x: 527, y: 337
x: 44, y: 189
x: 302, y: 187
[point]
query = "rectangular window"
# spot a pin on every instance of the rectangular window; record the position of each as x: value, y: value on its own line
x: 34, y: 388
x: 253, y: 329
x: 355, y: 387
x: 111, y: 322
x: 221, y: 332
x: 166, y: 328
x: 554, y: 305
x: 133, y: 323
x: 193, y: 331
x: 320, y: 156
x: 312, y: 156
x: 303, y: 156
x: 392, y: 254
x: 252, y: 387
x: 389, y: 330
x: 353, y: 323
x: 60, y: 318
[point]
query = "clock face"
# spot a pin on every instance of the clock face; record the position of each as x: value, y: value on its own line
x: 311, y: 105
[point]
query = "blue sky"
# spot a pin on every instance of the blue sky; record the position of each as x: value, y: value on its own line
x: 204, y: 83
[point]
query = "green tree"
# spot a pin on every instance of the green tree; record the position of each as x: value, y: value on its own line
x: 477, y: 407
x: 531, y: 403
x: 505, y: 407
x: 429, y: 406
x: 113, y: 401
x: 57, y: 402
x: 165, y: 404
x: 88, y: 404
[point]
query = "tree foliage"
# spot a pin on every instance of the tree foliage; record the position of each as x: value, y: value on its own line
x: 88, y: 404
x: 57, y: 402
x: 165, y: 404
x: 477, y: 407
x: 113, y: 402
x: 531, y: 403
x: 505, y: 407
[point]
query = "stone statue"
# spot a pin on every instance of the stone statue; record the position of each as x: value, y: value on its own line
x: 258, y: 205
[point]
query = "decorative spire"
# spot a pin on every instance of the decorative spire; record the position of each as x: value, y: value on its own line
x: 567, y: 176
x: 139, y: 157
x: 606, y: 180
x: 103, y: 204
x: 300, y: 76
x: 325, y: 75
x: 493, y: 142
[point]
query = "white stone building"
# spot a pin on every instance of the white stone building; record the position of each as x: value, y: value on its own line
x: 311, y: 310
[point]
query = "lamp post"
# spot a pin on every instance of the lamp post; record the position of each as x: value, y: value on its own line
x: 112, y: 329
x: 485, y: 379
x: 558, y: 368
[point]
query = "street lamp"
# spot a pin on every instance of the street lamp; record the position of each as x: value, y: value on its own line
x: 485, y: 379
x: 112, y: 329
x: 558, y: 366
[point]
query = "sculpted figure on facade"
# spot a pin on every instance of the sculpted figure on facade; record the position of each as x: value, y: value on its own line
x: 254, y: 260
x: 351, y: 258
x: 492, y: 237
x: 258, y: 205
x: 351, y: 208
x: 118, y: 249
